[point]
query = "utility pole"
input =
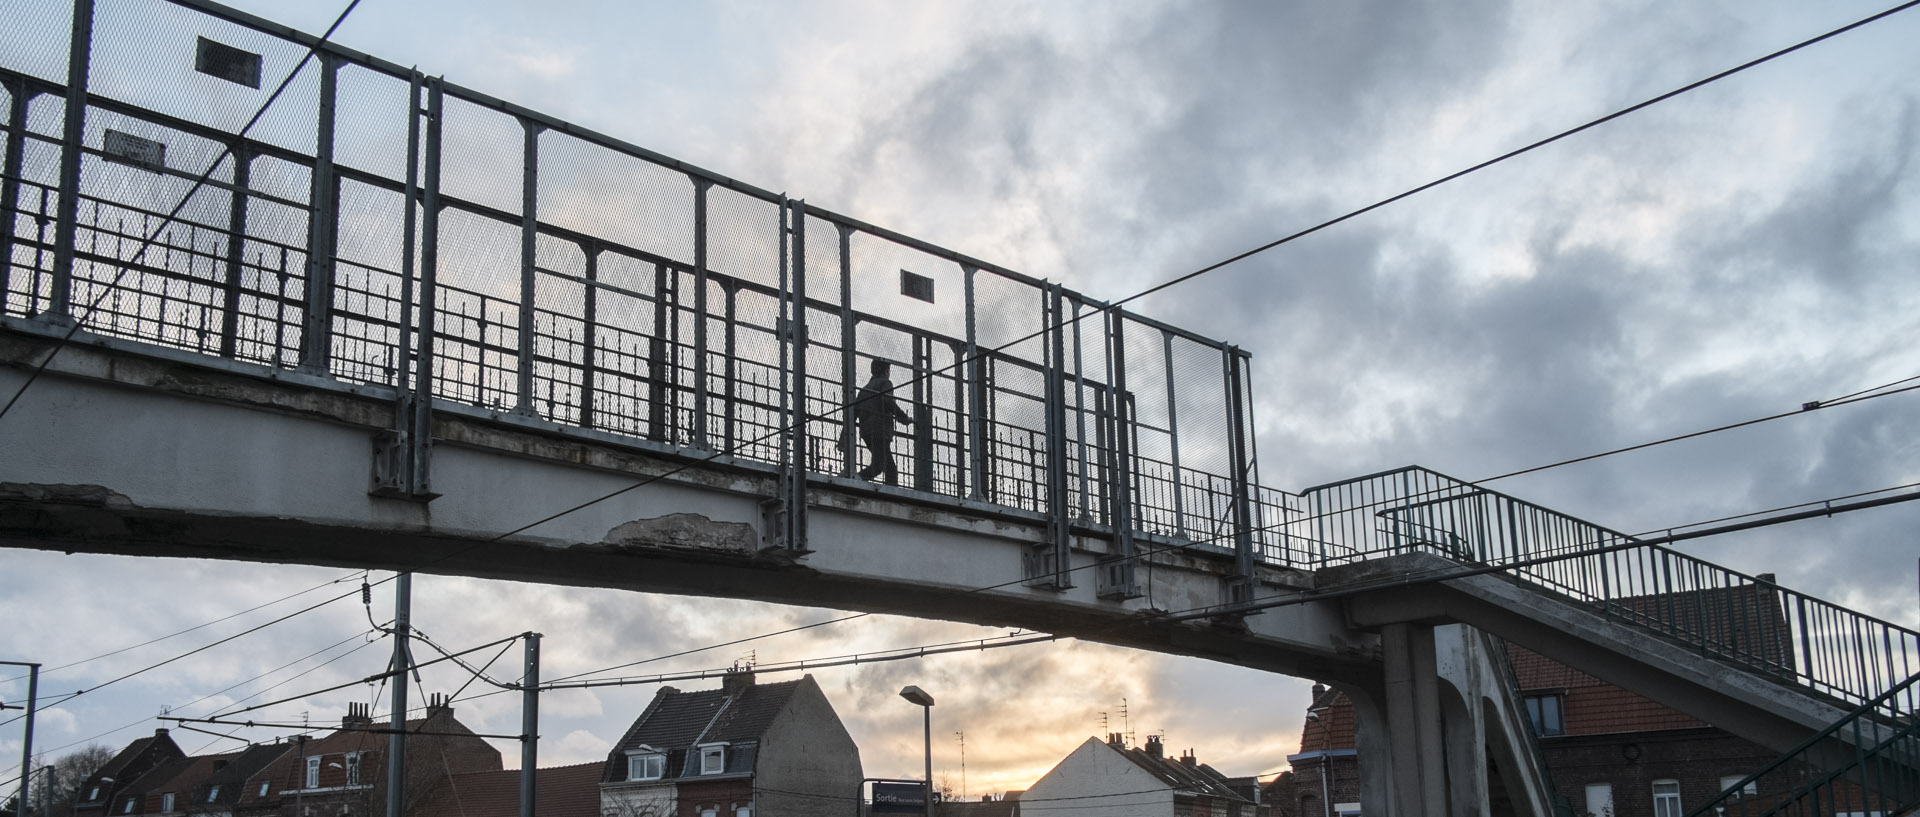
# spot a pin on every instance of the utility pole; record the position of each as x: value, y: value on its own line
x: 26, y: 741
x: 529, y: 724
x: 402, y: 664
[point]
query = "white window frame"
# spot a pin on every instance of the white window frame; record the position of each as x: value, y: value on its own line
x: 128, y: 808
x: 1600, y: 799
x: 166, y: 802
x: 742, y: 810
x: 716, y: 752
x: 353, y: 768
x: 646, y: 755
x: 1666, y: 798
x: 265, y: 786
x: 93, y: 794
x: 213, y: 793
x: 313, y: 772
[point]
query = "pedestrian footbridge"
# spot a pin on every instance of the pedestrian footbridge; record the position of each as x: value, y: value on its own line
x: 400, y: 324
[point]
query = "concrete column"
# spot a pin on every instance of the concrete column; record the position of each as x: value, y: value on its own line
x: 1413, y: 737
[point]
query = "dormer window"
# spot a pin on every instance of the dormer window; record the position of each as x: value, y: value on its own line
x: 646, y: 764
x: 313, y: 772
x: 128, y: 808
x: 213, y: 793
x: 166, y: 801
x: 713, y: 758
x: 353, y: 768
x: 93, y: 794
x: 264, y: 785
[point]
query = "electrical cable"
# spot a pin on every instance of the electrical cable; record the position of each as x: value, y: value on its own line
x: 205, y: 697
x: 151, y: 641
x: 226, y: 151
x: 197, y: 650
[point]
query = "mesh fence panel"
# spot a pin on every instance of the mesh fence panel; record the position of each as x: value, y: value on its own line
x: 743, y: 237
x: 370, y: 112
x: 482, y: 156
x: 145, y: 53
x: 34, y: 38
x: 616, y: 198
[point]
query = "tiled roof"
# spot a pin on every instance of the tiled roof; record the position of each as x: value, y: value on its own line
x: 1198, y: 778
x: 674, y: 722
x: 564, y: 791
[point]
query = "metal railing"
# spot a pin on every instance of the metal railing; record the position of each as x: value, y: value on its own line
x: 1496, y: 648
x: 1866, y: 763
x: 1750, y: 621
x: 387, y: 228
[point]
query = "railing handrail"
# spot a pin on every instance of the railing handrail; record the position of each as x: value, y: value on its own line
x: 1857, y: 713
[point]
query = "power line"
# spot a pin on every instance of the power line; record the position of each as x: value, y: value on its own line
x: 152, y: 641
x: 226, y: 151
x: 197, y: 650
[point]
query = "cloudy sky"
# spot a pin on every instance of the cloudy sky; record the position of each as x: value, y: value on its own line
x: 1727, y: 255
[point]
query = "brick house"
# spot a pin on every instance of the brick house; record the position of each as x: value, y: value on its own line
x: 561, y: 791
x: 343, y: 774
x: 744, y: 749
x: 120, y: 786
x: 1138, y: 781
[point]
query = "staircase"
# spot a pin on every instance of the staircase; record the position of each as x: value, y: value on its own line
x: 1739, y: 651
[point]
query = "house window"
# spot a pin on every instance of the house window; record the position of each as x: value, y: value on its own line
x: 743, y: 810
x: 1752, y: 787
x: 166, y: 801
x: 313, y: 772
x: 713, y: 759
x: 1666, y: 798
x: 353, y: 768
x: 264, y: 784
x: 128, y: 808
x: 1600, y: 800
x: 1548, y: 714
x: 646, y: 767
x: 709, y: 811
x: 213, y: 793
x: 93, y: 793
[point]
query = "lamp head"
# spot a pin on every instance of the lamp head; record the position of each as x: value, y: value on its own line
x: 917, y: 696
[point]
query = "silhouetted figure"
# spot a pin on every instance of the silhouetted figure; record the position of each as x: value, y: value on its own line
x: 875, y: 412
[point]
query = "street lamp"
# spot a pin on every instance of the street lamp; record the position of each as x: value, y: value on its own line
x: 919, y: 697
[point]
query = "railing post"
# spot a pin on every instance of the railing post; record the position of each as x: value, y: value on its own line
x: 1116, y: 579
x: 590, y: 325
x: 784, y: 516
x: 529, y: 244
x: 19, y: 97
x: 236, y: 258
x: 849, y: 363
x: 79, y: 60
x: 698, y: 438
x: 400, y: 454
x: 1049, y: 564
x: 1241, y: 583
x: 422, y: 441
x: 316, y: 336
x: 1080, y: 411
x: 977, y: 397
x: 1173, y: 436
x: 922, y: 413
x: 659, y: 352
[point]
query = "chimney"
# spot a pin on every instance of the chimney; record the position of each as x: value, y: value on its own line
x: 1188, y: 760
x: 437, y: 705
x: 1154, y: 747
x: 1115, y: 740
x: 359, y: 716
x: 736, y: 682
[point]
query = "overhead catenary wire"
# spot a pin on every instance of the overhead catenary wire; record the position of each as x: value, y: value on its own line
x: 177, y: 633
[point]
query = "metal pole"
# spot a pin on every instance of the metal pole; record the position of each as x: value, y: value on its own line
x: 927, y: 712
x: 402, y: 661
x: 529, y: 724
x: 422, y: 427
x: 322, y: 230
x: 79, y: 58
x: 700, y: 400
x: 529, y: 237
x: 1173, y: 436
x: 10, y: 183
x: 26, y: 747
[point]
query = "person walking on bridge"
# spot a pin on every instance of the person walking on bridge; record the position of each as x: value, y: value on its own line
x: 875, y: 412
